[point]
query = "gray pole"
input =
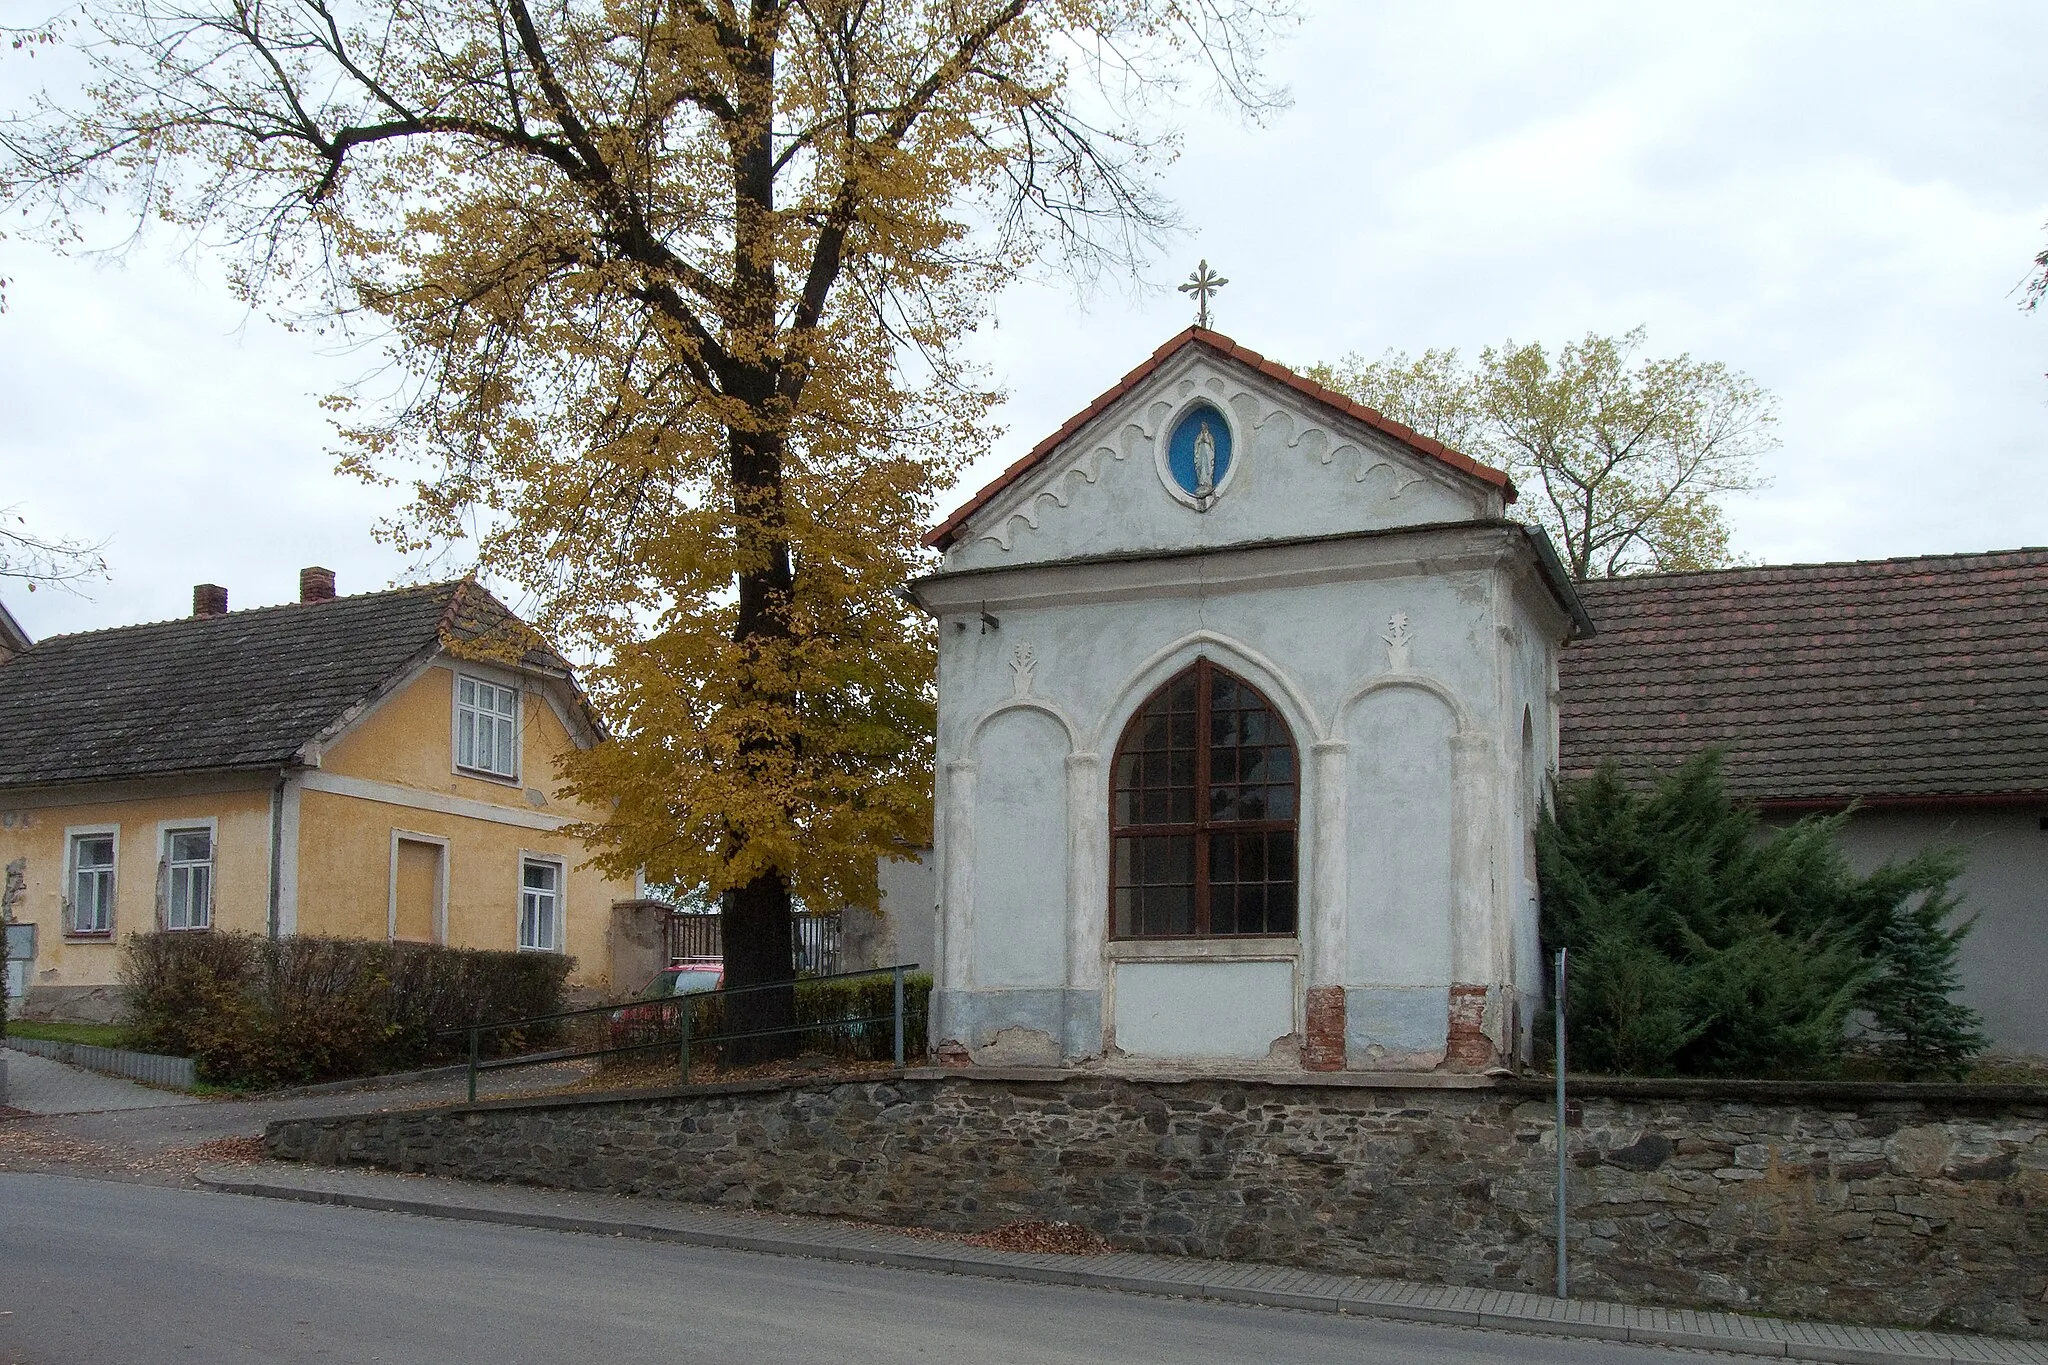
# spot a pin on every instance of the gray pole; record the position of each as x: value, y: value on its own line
x: 1558, y: 1065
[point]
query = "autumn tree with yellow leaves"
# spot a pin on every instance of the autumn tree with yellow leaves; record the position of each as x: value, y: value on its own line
x: 673, y: 295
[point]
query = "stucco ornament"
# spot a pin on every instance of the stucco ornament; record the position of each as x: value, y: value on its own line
x: 1023, y: 659
x: 1199, y: 456
x: 1397, y: 641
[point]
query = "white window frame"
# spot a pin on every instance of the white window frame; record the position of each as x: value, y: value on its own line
x: 496, y: 717
x: 560, y: 867
x: 164, y: 830
x: 72, y: 834
x: 414, y: 836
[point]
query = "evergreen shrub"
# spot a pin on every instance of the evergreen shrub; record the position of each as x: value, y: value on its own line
x: 1704, y: 943
x: 259, y: 1012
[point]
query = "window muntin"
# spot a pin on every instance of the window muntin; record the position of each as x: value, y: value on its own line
x: 92, y: 883
x: 540, y: 905
x: 1203, y: 801
x: 188, y: 889
x: 486, y: 727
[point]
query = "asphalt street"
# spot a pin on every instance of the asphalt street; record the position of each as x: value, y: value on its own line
x: 96, y: 1271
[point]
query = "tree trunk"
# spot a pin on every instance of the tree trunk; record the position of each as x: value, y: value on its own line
x: 759, y: 960
x: 759, y: 965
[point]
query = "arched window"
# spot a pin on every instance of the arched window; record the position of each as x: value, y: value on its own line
x: 1202, y: 813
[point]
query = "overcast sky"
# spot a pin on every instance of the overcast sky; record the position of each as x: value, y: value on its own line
x: 1838, y: 199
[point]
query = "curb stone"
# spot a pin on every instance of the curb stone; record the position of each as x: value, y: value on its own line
x: 1254, y: 1285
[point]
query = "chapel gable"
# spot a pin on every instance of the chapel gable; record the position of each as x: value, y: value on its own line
x: 1210, y: 444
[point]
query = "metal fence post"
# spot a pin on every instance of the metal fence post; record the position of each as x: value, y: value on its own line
x: 685, y: 1032
x: 899, y: 1017
x: 1563, y: 1167
x: 472, y: 1066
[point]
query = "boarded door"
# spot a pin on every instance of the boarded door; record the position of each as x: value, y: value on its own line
x: 417, y: 891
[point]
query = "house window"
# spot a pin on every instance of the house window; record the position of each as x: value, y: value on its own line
x: 188, y: 893
x: 92, y: 883
x: 486, y: 727
x: 1202, y: 814
x: 540, y: 905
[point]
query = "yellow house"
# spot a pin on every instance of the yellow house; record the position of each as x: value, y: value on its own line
x: 377, y: 766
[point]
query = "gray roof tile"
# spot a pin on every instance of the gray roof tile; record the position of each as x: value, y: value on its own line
x: 1893, y: 679
x: 229, y: 693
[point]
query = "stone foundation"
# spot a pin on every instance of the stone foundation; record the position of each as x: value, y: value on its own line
x: 1901, y: 1205
x: 73, y: 1004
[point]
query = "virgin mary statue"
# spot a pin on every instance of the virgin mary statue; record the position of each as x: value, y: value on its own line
x: 1205, y: 462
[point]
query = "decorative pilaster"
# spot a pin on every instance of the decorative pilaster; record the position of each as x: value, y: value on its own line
x: 1087, y: 898
x: 1327, y: 910
x: 956, y: 904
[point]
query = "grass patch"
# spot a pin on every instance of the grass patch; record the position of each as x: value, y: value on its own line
x: 92, y: 1035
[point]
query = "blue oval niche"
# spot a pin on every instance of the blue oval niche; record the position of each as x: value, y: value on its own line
x: 1183, y: 447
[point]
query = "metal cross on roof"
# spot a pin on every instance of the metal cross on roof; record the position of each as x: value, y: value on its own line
x: 1202, y: 283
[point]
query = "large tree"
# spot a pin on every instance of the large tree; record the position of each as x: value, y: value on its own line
x: 1624, y: 461
x: 673, y: 293
x: 35, y: 560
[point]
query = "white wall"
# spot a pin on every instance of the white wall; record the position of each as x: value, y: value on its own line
x: 1408, y: 846
x: 2005, y: 885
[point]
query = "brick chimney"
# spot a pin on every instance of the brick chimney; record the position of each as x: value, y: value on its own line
x: 316, y: 584
x: 209, y: 599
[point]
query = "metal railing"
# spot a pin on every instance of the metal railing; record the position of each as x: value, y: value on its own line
x: 813, y: 939
x: 673, y: 1018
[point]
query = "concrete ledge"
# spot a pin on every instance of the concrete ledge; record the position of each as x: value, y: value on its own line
x: 1583, y: 1087
x: 150, y: 1067
x: 385, y: 1082
x: 1129, y: 1272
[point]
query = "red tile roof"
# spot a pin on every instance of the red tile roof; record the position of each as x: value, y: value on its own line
x: 1897, y: 680
x: 947, y: 531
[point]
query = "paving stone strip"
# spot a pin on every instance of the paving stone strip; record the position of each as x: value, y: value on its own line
x: 1183, y: 1277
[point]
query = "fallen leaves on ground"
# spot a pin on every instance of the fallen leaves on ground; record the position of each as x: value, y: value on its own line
x: 21, y: 1146
x: 1060, y: 1239
x: 238, y: 1151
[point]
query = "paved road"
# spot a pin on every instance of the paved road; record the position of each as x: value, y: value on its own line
x: 42, y: 1086
x: 102, y: 1271
x: 146, y: 1144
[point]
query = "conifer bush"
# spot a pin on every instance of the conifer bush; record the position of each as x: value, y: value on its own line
x: 1704, y: 943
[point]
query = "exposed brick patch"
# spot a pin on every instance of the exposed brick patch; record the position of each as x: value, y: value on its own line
x: 953, y: 1052
x: 1323, y: 1049
x: 1469, y: 1049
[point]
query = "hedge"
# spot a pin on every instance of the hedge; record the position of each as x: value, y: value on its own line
x: 259, y: 1012
x: 831, y: 1005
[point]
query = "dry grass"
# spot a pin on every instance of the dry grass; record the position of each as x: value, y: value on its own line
x: 662, y: 1075
x: 1996, y: 1069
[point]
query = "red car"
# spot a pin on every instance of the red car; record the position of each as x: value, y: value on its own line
x: 631, y: 1026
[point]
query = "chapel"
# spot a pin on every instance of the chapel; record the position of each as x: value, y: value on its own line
x: 1247, y: 704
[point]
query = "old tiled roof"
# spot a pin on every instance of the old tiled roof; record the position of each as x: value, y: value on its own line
x: 1889, y: 680
x: 947, y: 531
x: 238, y: 692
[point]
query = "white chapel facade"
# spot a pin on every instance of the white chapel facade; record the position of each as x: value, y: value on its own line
x: 1247, y: 700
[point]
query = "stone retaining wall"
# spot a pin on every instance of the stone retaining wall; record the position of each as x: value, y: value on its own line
x: 1902, y: 1205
